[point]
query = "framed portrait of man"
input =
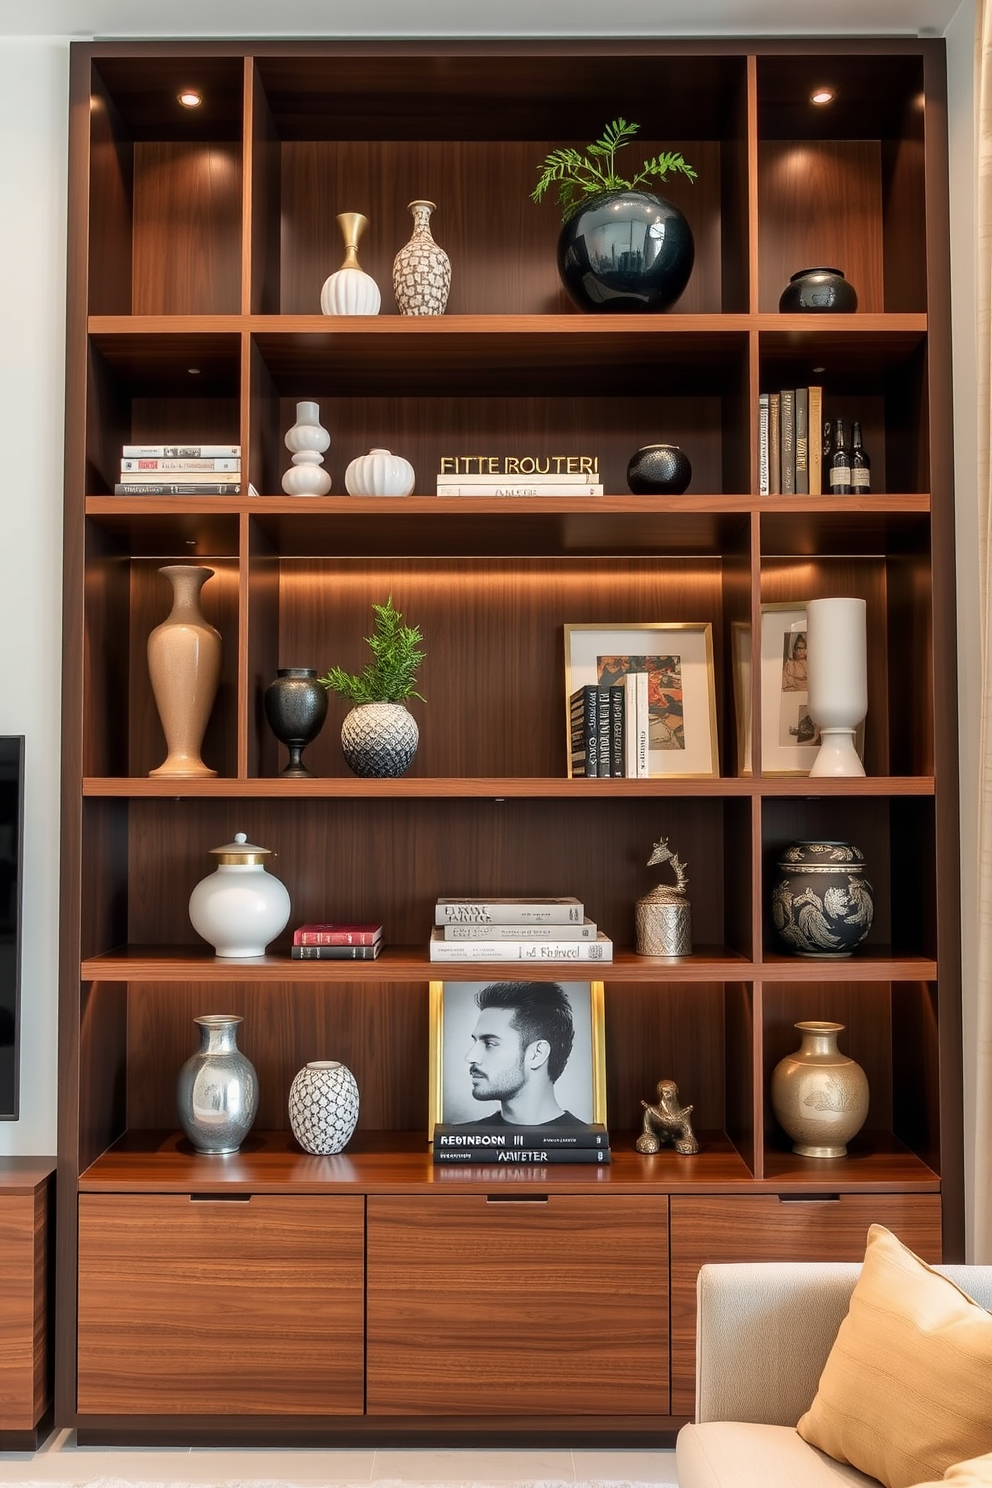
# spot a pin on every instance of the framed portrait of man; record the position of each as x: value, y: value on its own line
x: 516, y: 1053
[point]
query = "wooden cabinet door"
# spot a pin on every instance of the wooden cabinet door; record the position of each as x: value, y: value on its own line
x: 763, y: 1227
x: 204, y: 1307
x: 481, y: 1305
x: 23, y: 1320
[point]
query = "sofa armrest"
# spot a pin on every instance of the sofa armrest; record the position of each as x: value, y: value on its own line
x: 763, y: 1333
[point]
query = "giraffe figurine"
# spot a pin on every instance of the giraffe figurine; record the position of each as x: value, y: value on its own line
x: 662, y: 917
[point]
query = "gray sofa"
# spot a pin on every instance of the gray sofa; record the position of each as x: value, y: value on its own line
x: 763, y: 1333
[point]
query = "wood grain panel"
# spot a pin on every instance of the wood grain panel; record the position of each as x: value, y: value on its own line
x: 187, y: 228
x: 765, y: 1228
x: 516, y: 1307
x: 669, y: 1031
x: 209, y: 1307
x: 819, y: 202
x: 24, y: 1357
x: 111, y: 167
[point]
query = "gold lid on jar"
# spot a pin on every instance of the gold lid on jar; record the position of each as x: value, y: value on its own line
x: 240, y: 851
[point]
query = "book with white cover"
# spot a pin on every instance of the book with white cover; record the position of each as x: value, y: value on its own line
x: 502, y: 910
x: 600, y: 949
x: 179, y: 451
x: 523, y: 487
x: 642, y: 716
x: 586, y: 931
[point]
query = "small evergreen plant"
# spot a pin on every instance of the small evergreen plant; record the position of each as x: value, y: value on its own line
x: 578, y: 176
x: 391, y: 675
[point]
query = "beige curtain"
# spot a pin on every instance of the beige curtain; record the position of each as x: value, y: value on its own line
x: 982, y: 1054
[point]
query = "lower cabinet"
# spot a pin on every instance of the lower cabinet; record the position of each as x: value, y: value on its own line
x: 25, y: 1363
x: 241, y: 1305
x: 527, y: 1306
x: 764, y: 1227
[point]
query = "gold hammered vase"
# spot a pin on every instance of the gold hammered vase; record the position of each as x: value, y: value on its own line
x: 819, y: 1095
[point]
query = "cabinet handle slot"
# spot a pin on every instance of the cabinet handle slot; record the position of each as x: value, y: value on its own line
x: 517, y: 1198
x: 828, y: 1198
x: 220, y: 1198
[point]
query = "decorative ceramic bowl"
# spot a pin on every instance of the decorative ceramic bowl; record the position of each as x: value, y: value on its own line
x: 819, y: 290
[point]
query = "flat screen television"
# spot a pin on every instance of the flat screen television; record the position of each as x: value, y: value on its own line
x: 11, y: 861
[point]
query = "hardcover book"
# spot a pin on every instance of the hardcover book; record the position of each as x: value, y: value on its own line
x: 336, y: 952
x: 141, y: 463
x: 335, y: 934
x: 518, y: 488
x: 583, y: 708
x: 763, y: 475
x: 787, y: 415
x: 802, y: 441
x: 477, y: 1136
x: 174, y: 488
x: 815, y: 441
x: 179, y: 451
x: 509, y: 911
x: 524, y: 1155
x: 588, y: 930
x: 774, y: 444
x: 441, y: 949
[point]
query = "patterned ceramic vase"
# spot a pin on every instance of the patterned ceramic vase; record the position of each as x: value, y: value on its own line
x: 819, y: 1095
x: 323, y: 1106
x: 184, y: 657
x: 421, y: 270
x: 217, y: 1094
x: 379, y: 739
x: 822, y: 905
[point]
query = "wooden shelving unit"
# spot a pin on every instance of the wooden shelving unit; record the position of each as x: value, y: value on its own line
x: 199, y: 240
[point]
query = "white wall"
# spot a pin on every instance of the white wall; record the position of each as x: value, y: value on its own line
x: 34, y: 87
x: 33, y: 125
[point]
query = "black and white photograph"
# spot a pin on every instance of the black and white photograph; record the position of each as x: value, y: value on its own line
x: 517, y: 1053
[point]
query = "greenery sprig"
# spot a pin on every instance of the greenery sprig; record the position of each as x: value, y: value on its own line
x: 391, y: 675
x: 586, y: 175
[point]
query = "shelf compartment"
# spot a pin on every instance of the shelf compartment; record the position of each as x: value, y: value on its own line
x: 165, y: 186
x: 871, y: 526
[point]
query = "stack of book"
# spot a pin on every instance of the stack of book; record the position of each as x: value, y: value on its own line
x: 516, y: 930
x: 180, y: 470
x: 475, y: 1142
x: 498, y: 475
x: 790, y: 442
x: 609, y: 729
x: 333, y: 942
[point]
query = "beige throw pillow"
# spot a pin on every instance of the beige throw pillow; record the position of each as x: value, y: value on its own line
x: 907, y: 1388
x: 974, y: 1474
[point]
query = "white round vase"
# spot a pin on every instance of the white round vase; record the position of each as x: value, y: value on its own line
x: 379, y: 473
x: 308, y: 440
x: 837, y: 664
x: 323, y: 1106
x: 239, y: 907
x: 350, y: 291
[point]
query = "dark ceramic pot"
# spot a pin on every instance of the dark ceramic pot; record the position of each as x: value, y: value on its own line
x: 820, y: 290
x: 296, y: 706
x: 822, y: 905
x: 625, y: 251
x: 658, y: 470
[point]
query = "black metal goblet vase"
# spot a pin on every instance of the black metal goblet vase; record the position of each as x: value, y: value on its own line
x: 296, y: 706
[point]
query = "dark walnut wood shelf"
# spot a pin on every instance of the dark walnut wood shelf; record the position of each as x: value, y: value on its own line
x: 401, y: 1162
x: 222, y: 787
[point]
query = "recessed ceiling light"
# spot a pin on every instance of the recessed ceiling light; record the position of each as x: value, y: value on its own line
x: 823, y: 95
x: 190, y: 98
x: 193, y: 371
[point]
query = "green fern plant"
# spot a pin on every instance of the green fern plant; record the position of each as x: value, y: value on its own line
x: 391, y: 675
x: 578, y: 176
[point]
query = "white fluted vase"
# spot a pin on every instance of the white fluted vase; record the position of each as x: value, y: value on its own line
x: 421, y: 269
x: 379, y: 473
x: 837, y: 665
x: 350, y: 291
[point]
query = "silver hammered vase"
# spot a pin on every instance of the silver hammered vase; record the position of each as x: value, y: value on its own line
x: 217, y: 1092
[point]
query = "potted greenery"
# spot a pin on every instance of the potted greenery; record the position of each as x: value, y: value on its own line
x: 379, y: 736
x: 621, y: 248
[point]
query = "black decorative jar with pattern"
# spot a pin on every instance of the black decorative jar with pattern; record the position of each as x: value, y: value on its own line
x: 658, y: 470
x: 818, y: 291
x: 822, y: 904
x: 625, y: 251
x: 296, y: 707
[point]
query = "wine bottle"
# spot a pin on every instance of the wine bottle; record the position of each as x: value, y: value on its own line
x: 840, y: 463
x: 860, y: 464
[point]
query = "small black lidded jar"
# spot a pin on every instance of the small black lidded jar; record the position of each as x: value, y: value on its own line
x: 818, y: 290
x: 658, y: 470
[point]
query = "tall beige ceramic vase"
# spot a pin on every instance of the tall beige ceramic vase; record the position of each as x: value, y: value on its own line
x: 184, y: 666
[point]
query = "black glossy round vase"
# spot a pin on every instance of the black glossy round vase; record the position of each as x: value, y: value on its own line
x: 296, y: 706
x: 658, y: 470
x: 822, y: 904
x: 819, y: 291
x: 625, y: 251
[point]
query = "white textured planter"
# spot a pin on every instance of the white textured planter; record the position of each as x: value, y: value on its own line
x: 323, y: 1106
x: 379, y: 739
x: 379, y: 473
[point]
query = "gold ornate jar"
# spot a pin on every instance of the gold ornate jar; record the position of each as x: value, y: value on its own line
x: 819, y: 1095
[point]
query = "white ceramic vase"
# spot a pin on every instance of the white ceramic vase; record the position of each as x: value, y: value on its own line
x: 184, y: 656
x: 239, y: 907
x: 379, y: 473
x: 308, y: 440
x: 323, y: 1106
x: 350, y: 291
x: 421, y: 269
x: 837, y: 666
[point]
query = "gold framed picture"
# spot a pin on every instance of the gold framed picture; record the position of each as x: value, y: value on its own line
x: 516, y: 1053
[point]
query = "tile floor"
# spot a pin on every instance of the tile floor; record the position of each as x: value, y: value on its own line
x: 60, y: 1460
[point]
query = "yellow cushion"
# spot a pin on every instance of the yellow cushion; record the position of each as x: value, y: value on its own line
x: 906, y: 1391
x: 977, y: 1473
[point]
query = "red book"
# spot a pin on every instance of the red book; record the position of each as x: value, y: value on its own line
x: 333, y: 934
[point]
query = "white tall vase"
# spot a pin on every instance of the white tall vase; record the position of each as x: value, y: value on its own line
x: 308, y: 439
x: 837, y: 666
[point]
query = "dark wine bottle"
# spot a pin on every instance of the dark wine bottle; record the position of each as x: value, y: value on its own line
x: 860, y: 464
x: 840, y: 463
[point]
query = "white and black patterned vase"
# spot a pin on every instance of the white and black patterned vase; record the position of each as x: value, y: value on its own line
x: 323, y: 1106
x: 379, y: 739
x: 421, y: 270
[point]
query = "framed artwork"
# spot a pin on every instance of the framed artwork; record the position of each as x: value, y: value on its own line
x: 678, y: 660
x: 740, y: 641
x: 516, y: 1051
x: 789, y: 738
